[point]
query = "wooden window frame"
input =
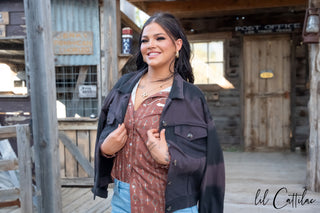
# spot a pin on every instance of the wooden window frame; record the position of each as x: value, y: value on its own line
x: 211, y: 37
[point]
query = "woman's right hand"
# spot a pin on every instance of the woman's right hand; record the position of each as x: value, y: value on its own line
x: 115, y: 140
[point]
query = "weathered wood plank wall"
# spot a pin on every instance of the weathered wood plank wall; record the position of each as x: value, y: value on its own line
x: 225, y: 104
x: 16, y: 26
x: 301, y: 115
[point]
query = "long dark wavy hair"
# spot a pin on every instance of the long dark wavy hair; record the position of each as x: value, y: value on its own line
x: 175, y: 31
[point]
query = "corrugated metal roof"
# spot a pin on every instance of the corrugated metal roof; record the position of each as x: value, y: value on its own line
x: 77, y: 16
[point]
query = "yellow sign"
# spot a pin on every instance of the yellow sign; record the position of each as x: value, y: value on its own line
x: 73, y: 43
x: 266, y: 74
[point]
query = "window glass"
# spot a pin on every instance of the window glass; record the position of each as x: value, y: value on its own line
x: 216, y: 51
x: 208, y: 63
x: 200, y: 50
x: 77, y: 94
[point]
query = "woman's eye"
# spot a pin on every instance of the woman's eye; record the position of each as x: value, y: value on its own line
x: 161, y: 38
x: 144, y: 40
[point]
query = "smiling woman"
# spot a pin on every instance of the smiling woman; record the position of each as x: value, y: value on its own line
x: 156, y: 156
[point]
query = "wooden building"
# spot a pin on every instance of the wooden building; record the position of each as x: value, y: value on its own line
x: 248, y: 57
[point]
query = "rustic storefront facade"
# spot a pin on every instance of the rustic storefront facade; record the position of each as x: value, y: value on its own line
x: 249, y: 58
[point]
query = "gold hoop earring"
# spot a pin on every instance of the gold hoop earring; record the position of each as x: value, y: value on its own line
x: 177, y: 54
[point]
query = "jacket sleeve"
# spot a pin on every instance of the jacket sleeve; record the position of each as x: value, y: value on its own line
x: 103, y: 165
x: 213, y: 181
x: 101, y: 187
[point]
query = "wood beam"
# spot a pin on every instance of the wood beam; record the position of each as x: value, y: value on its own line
x: 8, y: 56
x: 12, y: 61
x: 194, y: 8
x: 40, y: 65
x: 125, y: 19
x: 314, y: 113
x: 7, y: 132
x: 25, y: 167
x: 11, y: 46
x: 110, y: 26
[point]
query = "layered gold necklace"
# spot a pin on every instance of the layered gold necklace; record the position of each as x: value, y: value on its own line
x: 146, y: 91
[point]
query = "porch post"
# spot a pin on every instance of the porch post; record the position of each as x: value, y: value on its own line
x: 314, y: 113
x: 40, y: 65
x: 110, y: 44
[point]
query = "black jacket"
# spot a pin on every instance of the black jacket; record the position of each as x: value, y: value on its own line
x: 196, y: 171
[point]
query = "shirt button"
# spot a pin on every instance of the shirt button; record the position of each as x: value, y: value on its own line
x: 169, y: 183
x: 164, y: 123
x: 169, y: 208
x: 175, y: 162
x: 190, y: 135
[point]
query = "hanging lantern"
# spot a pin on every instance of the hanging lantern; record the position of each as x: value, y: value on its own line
x: 311, y: 26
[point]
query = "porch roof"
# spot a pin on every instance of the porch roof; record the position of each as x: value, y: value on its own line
x: 200, y: 17
x: 196, y: 8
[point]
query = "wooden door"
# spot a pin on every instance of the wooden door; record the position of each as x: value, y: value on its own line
x: 266, y: 100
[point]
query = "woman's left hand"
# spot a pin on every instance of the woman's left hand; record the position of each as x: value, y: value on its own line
x: 158, y: 147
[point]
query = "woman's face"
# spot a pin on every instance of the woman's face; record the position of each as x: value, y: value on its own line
x: 157, y: 48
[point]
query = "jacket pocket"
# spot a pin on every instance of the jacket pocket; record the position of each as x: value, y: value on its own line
x: 191, y: 139
x: 191, y: 133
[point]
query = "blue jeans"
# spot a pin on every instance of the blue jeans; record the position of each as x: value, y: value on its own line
x: 120, y: 202
x: 193, y: 209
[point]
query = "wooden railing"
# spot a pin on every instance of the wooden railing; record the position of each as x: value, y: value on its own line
x: 23, y: 187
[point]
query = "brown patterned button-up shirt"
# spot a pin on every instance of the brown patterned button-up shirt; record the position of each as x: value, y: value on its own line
x: 134, y: 163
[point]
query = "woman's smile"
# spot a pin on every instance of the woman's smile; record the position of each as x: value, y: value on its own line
x: 153, y: 54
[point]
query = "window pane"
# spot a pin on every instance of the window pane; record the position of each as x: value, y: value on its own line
x: 200, y: 68
x: 216, y: 51
x: 208, y: 73
x: 76, y: 91
x: 215, y: 73
x: 200, y: 51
